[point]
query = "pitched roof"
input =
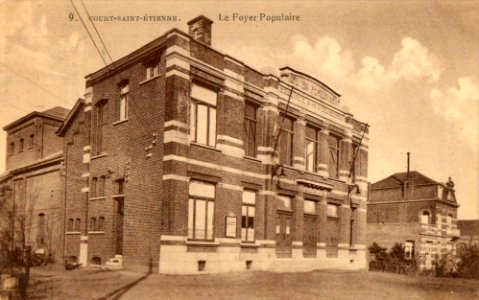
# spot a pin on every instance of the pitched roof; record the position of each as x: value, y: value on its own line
x: 70, y: 116
x: 396, y: 180
x: 468, y: 227
x: 57, y: 113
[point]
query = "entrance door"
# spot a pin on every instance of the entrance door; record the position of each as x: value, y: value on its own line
x: 310, y: 236
x: 284, y: 240
x: 119, y: 226
x: 332, y: 237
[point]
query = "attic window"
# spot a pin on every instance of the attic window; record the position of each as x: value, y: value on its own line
x: 11, y: 148
x: 152, y: 69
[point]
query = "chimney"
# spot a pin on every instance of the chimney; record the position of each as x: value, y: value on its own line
x: 407, y: 166
x: 200, y: 29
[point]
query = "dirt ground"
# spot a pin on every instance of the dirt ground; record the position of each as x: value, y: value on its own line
x: 55, y: 283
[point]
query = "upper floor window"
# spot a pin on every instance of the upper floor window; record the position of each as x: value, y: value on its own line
x: 77, y: 224
x: 311, y: 148
x: 203, y: 115
x: 93, y: 224
x: 250, y: 129
x: 333, y: 210
x: 70, y: 225
x: 286, y: 141
x: 21, y: 144
x: 123, y: 105
x: 247, y: 215
x: 101, y: 186
x: 333, y: 162
x: 11, y: 148
x: 201, y: 207
x: 31, y: 140
x: 356, y: 156
x: 285, y: 202
x: 94, y: 187
x: 426, y: 218
x: 309, y: 207
x: 101, y: 224
x: 100, y: 125
x: 152, y: 69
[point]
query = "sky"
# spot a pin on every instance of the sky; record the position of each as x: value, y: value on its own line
x: 407, y: 68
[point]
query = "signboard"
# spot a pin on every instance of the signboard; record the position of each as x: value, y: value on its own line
x: 230, y: 227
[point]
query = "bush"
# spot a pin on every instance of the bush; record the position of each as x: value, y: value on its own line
x: 394, y: 261
x: 468, y: 265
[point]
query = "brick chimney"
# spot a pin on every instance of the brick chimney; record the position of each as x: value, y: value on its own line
x: 200, y: 29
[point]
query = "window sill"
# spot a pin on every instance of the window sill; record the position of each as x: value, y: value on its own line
x: 149, y: 79
x: 203, y: 243
x: 98, y: 156
x: 72, y: 232
x: 96, y: 232
x: 249, y: 245
x: 205, y: 146
x: 120, y: 122
x: 97, y: 198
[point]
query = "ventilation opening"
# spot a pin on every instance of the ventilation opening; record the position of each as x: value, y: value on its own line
x: 201, y: 265
x: 351, y: 261
x: 73, y: 259
x: 96, y: 260
x: 249, y: 264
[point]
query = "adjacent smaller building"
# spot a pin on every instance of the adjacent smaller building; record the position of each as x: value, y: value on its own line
x: 416, y: 211
x: 31, y: 188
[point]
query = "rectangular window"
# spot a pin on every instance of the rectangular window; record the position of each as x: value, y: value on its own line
x: 31, y: 141
x: 123, y: 106
x: 77, y: 224
x: 101, y: 224
x: 152, y: 70
x: 311, y: 148
x: 333, y: 210
x: 333, y: 163
x: 93, y: 224
x: 409, y: 249
x: 70, y: 225
x: 247, y: 216
x: 201, y: 207
x: 101, y: 187
x: 203, y: 115
x: 11, y: 148
x: 309, y: 207
x: 100, y: 125
x: 286, y: 141
x: 356, y: 156
x: 41, y: 229
x: 250, y: 129
x: 20, y: 145
x: 285, y: 203
x: 94, y: 187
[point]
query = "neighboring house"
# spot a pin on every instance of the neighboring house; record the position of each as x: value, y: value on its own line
x: 172, y: 164
x: 469, y: 234
x: 415, y: 211
x: 31, y: 186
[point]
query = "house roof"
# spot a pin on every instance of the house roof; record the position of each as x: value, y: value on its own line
x: 71, y: 114
x: 396, y: 180
x: 57, y: 113
x: 468, y: 227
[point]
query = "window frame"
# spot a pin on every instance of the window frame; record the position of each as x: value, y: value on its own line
x: 100, y: 122
x: 195, y: 103
x: 337, y: 151
x: 248, y: 206
x: 93, y: 224
x: 152, y: 67
x: 21, y: 145
x: 77, y: 227
x: 31, y: 139
x: 11, y: 148
x: 288, y: 158
x: 315, y: 143
x: 101, y: 224
x: 208, y: 201
x: 124, y: 99
x: 247, y: 121
x: 70, y: 227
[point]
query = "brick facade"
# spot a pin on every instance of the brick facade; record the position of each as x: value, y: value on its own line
x: 136, y: 173
x: 413, y: 208
x: 32, y: 186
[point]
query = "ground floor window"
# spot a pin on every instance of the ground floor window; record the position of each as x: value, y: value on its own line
x: 247, y: 216
x: 409, y: 249
x: 201, y: 207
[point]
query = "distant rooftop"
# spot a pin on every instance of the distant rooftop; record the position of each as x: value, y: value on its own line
x: 396, y: 180
x: 468, y: 227
x: 57, y: 112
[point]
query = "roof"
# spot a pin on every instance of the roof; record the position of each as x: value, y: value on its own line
x: 468, y: 227
x: 396, y: 180
x: 71, y: 114
x: 57, y: 113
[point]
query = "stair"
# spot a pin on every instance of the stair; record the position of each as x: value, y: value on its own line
x: 115, y: 263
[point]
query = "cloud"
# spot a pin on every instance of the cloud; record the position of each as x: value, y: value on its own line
x: 459, y: 105
x: 326, y: 55
x: 414, y: 61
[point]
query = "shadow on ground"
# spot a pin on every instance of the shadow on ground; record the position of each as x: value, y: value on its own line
x: 116, y: 294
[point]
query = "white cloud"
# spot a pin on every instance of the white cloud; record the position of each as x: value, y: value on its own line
x: 414, y: 61
x: 459, y: 105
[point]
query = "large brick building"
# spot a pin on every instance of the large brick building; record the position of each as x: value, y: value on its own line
x: 32, y: 186
x: 173, y: 162
x: 415, y: 211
